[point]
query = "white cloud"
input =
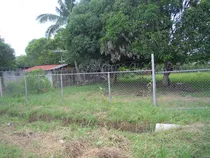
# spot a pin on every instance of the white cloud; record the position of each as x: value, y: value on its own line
x: 18, y: 23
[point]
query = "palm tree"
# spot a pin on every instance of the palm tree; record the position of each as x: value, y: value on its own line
x: 61, y: 19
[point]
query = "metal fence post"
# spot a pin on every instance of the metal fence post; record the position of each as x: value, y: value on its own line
x: 26, y: 89
x: 154, y: 81
x: 39, y: 82
x: 109, y: 87
x: 1, y: 91
x: 62, y: 93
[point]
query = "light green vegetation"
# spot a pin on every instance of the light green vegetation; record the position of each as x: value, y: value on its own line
x: 186, y: 142
x: 127, y: 123
x: 9, y: 151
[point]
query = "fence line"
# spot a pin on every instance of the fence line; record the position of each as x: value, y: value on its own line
x: 119, y: 72
x: 135, y: 83
x: 111, y: 72
x: 183, y: 71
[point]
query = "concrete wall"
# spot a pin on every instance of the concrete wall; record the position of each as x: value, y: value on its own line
x: 49, y: 77
x: 12, y: 76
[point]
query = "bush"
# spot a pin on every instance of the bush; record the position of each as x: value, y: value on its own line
x: 36, y: 84
x: 15, y: 89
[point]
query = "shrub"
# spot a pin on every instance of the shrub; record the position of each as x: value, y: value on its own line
x: 15, y: 89
x: 37, y: 82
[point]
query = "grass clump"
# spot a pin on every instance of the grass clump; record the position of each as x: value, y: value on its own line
x: 8, y: 151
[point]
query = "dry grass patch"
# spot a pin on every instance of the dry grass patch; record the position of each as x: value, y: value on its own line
x: 43, y: 144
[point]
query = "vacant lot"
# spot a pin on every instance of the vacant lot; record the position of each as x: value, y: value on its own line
x: 86, y: 124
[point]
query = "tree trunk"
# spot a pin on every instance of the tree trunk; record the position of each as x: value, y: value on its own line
x: 167, y: 67
x: 115, y: 75
x: 78, y: 75
x: 166, y: 80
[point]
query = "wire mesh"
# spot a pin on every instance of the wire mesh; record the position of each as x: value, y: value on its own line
x: 12, y: 86
x: 181, y: 87
x: 39, y: 90
x: 86, y: 86
x: 136, y: 84
x: 173, y: 87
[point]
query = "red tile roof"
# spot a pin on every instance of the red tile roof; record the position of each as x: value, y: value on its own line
x: 45, y: 67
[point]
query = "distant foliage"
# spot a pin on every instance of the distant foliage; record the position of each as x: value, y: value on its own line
x: 189, y: 66
x: 40, y: 52
x: 37, y: 82
x: 7, y: 55
x: 116, y: 31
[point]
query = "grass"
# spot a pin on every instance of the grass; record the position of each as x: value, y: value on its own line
x: 196, y: 84
x: 87, y: 121
x: 186, y: 142
x: 10, y: 151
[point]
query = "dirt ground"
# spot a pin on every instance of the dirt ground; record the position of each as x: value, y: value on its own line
x: 52, y: 145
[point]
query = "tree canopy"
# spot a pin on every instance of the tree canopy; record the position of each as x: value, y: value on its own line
x: 7, y: 56
x: 136, y: 28
x: 40, y: 52
x: 193, y: 33
x: 120, y: 30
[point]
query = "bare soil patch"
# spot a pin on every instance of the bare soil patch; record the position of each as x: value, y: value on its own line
x: 105, y: 153
x: 51, y: 144
x: 43, y: 144
x: 119, y: 146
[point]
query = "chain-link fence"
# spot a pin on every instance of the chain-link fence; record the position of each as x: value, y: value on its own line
x: 104, y: 85
x: 173, y: 87
x: 133, y: 84
x: 182, y: 87
x: 13, y: 86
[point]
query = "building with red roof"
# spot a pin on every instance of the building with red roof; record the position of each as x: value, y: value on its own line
x: 46, y: 67
x: 48, y: 71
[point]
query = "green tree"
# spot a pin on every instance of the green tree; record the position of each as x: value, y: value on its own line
x: 7, y: 57
x: 40, y: 52
x: 60, y: 19
x: 84, y: 30
x: 22, y: 61
x: 139, y: 28
x: 134, y: 29
x: 193, y: 33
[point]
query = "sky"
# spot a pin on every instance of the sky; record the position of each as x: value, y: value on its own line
x: 18, y: 25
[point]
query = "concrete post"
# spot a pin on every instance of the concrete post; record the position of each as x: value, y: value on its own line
x: 154, y: 81
x: 109, y: 87
x: 62, y: 93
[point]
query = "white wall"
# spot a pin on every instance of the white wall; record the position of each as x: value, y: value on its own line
x: 12, y: 76
x: 49, y: 77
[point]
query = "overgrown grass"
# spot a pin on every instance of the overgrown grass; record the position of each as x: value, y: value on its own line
x: 186, y: 142
x: 86, y: 109
x: 8, y: 151
x: 93, y: 109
